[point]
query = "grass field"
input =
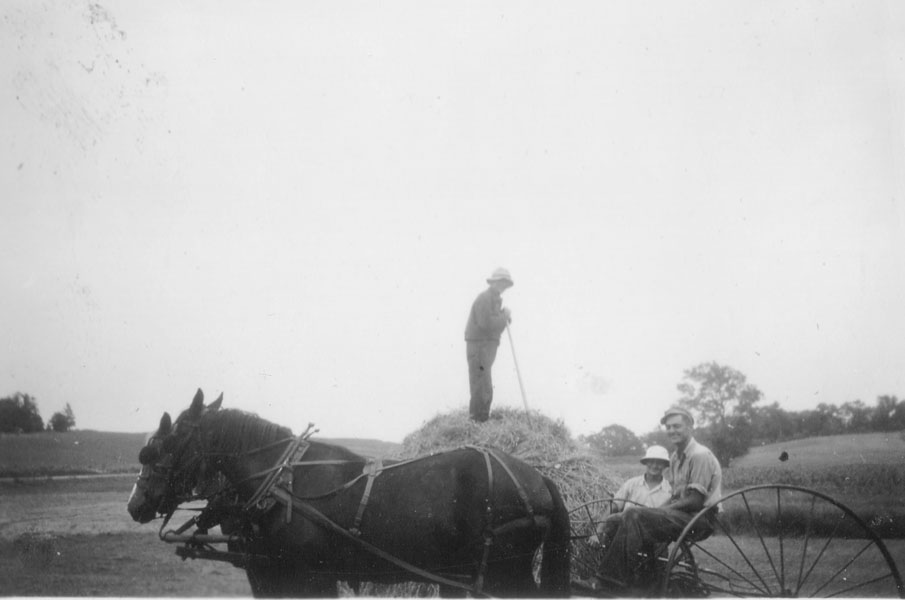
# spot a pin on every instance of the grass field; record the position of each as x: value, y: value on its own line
x: 93, y: 452
x: 863, y: 448
x: 71, y: 453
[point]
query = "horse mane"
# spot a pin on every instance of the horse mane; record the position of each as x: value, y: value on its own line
x: 233, y: 431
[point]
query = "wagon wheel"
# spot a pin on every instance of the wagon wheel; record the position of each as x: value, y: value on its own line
x: 781, y: 541
x: 584, y: 519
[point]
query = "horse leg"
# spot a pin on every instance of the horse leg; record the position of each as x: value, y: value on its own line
x: 512, y: 577
x: 318, y: 586
x: 262, y: 581
x: 288, y: 580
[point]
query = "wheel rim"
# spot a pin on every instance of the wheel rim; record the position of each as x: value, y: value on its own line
x: 783, y: 541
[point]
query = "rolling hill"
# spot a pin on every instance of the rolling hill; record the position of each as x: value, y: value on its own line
x: 91, y: 452
x: 861, y: 448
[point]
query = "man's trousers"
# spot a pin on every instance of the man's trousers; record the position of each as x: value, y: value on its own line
x: 638, y: 530
x: 480, y: 356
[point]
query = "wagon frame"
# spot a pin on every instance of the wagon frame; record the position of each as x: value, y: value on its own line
x: 762, y: 545
x: 771, y: 540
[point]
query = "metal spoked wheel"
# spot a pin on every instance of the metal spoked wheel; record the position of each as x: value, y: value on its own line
x: 586, y: 550
x: 781, y: 541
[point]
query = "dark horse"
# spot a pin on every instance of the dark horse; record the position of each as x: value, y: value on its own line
x: 309, y: 514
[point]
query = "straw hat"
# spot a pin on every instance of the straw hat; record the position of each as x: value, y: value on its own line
x: 501, y: 274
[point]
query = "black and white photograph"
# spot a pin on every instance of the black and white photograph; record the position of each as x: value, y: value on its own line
x: 599, y: 299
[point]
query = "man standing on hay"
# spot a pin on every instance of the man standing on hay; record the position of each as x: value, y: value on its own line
x: 696, y: 482
x: 486, y: 323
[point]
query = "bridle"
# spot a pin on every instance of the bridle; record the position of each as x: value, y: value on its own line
x: 175, y: 468
x: 171, y: 467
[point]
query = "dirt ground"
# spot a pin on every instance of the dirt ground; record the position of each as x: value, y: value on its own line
x: 74, y: 538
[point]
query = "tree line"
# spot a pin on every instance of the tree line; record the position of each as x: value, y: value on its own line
x: 19, y: 414
x: 729, y: 419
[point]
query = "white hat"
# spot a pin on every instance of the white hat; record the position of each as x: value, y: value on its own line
x: 500, y: 274
x: 655, y: 453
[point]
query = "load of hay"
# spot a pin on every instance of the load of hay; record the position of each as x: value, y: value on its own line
x: 532, y: 437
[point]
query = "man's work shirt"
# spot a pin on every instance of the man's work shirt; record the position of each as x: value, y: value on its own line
x: 696, y: 469
x: 637, y: 491
x: 486, y: 321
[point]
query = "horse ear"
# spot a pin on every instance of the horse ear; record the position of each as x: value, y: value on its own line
x: 165, y: 424
x: 197, y: 402
x: 215, y: 405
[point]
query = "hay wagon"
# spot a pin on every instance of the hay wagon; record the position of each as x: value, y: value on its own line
x: 766, y: 541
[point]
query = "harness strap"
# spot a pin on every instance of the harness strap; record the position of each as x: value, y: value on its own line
x: 518, y: 486
x: 372, y: 470
x: 318, y: 517
x: 287, y: 473
x: 292, y: 456
x: 488, y: 532
x: 298, y: 446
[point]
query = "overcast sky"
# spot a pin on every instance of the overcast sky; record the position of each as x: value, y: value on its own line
x: 295, y: 203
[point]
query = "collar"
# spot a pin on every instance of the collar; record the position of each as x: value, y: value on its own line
x: 689, y: 448
x: 658, y: 484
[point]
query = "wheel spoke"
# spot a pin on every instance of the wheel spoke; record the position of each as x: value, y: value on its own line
x: 765, y: 590
x: 844, y: 567
x: 583, y: 521
x: 782, y: 558
x: 822, y: 550
x: 590, y: 517
x: 804, y: 549
x: 787, y: 524
x: 762, y: 542
x: 859, y: 585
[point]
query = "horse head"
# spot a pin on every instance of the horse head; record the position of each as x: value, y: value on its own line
x: 171, y: 463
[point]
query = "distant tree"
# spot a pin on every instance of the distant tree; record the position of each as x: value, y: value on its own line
x: 657, y: 437
x: 714, y: 392
x: 62, y: 421
x: 888, y: 415
x: 615, y: 440
x: 729, y: 441
x: 855, y: 416
x: 19, y: 412
x: 826, y: 419
x: 772, y: 423
x: 722, y: 401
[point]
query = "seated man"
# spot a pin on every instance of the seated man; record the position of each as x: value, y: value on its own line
x: 696, y: 481
x: 648, y: 489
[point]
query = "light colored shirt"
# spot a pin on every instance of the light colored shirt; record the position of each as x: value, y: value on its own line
x: 636, y: 490
x: 696, y: 469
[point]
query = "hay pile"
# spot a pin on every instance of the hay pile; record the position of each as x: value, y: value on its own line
x: 536, y: 439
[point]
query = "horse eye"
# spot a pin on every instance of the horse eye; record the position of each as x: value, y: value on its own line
x: 147, y: 455
x: 169, y: 445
